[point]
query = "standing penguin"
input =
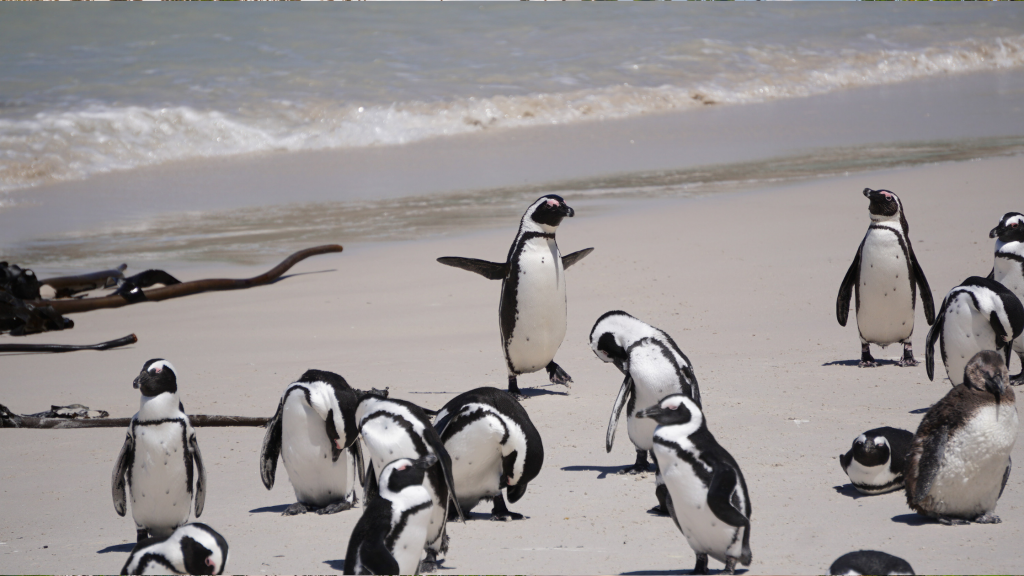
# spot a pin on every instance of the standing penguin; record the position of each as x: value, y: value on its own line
x: 960, y: 460
x: 314, y: 431
x: 885, y: 276
x: 393, y: 429
x: 1008, y: 269
x: 709, y: 501
x: 191, y: 549
x: 493, y: 445
x: 532, y: 312
x: 390, y: 535
x: 979, y: 314
x: 159, y: 458
x: 877, y: 460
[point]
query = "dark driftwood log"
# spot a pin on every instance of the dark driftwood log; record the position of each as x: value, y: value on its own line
x: 130, y: 339
x: 16, y: 421
x: 187, y: 288
x: 67, y: 286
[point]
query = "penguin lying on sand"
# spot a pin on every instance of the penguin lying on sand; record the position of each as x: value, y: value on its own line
x: 869, y: 562
x: 191, y: 549
x: 390, y: 535
x: 877, y: 460
x: 885, y: 276
x: 493, y: 445
x: 314, y: 431
x: 960, y: 459
x: 532, y: 311
x: 1008, y: 270
x: 159, y: 458
x: 980, y: 314
x: 709, y: 500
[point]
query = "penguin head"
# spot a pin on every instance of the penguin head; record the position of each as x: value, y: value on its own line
x: 872, y: 451
x: 1010, y: 228
x: 986, y: 371
x: 203, y: 549
x: 612, y: 335
x: 157, y: 377
x: 673, y: 410
x: 405, y: 472
x: 547, y: 213
x: 884, y: 205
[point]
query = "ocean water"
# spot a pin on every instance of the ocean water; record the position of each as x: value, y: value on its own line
x: 90, y: 92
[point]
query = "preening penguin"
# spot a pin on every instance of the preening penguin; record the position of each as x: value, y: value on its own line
x: 960, y: 459
x: 392, y: 532
x: 191, y: 549
x: 709, y: 501
x: 980, y: 314
x: 885, y: 276
x: 877, y: 460
x: 493, y: 445
x: 869, y: 562
x: 394, y: 429
x: 314, y: 432
x: 159, y: 458
x: 1008, y: 270
x: 532, y: 311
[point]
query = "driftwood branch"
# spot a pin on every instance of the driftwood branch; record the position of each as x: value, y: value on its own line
x: 130, y: 339
x: 187, y: 288
x: 67, y: 286
x: 8, y: 420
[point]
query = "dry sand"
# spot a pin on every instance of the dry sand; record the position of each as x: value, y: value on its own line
x: 745, y: 283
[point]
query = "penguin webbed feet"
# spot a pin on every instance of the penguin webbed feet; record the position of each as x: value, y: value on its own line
x: 513, y: 389
x: 430, y: 563
x: 500, y: 511
x: 1018, y: 380
x: 701, y: 567
x: 988, y: 519
x: 295, y: 509
x: 908, y: 357
x: 866, y: 359
x: 950, y: 521
x: 335, y: 507
x: 730, y: 565
x: 557, y: 375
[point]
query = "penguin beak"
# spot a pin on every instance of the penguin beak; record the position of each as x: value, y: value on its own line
x: 994, y: 384
x: 515, y: 492
x: 135, y: 383
x: 868, y: 192
x: 567, y: 211
x: 649, y: 413
x: 995, y: 231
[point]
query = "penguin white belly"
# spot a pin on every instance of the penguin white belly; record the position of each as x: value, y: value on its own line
x: 161, y: 500
x: 886, y: 311
x: 965, y: 332
x: 704, y: 531
x: 540, y: 308
x: 1010, y: 273
x: 408, y: 547
x: 476, y: 461
x: 865, y: 476
x: 971, y: 474
x: 650, y: 386
x: 306, y: 451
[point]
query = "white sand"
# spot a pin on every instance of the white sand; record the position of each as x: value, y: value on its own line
x: 745, y: 284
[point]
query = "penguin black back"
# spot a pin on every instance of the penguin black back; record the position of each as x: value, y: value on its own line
x: 869, y: 562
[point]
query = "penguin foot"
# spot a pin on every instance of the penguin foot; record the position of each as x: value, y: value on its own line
x: 430, y: 563
x: 1017, y: 380
x: 866, y: 360
x: 730, y: 565
x: 988, y: 519
x: 702, y: 564
x: 500, y: 511
x: 336, y: 507
x: 907, y: 362
x: 506, y: 517
x: 868, y: 364
x: 295, y: 509
x: 948, y: 521
x: 642, y: 465
x: 513, y: 389
x: 557, y: 375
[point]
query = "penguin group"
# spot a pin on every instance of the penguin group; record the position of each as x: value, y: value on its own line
x: 410, y: 470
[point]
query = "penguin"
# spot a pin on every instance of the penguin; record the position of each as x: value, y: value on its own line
x: 979, y: 314
x: 532, y: 311
x: 960, y: 460
x: 390, y: 536
x: 314, y: 431
x: 493, y: 445
x: 709, y: 500
x: 392, y: 429
x: 1008, y: 270
x: 885, y: 276
x: 869, y: 562
x: 160, y: 457
x: 191, y: 549
x: 877, y: 460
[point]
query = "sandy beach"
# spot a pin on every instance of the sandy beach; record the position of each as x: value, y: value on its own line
x: 744, y: 282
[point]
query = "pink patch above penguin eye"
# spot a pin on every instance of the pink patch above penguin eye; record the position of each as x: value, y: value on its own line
x: 553, y: 203
x: 209, y: 561
x: 338, y: 444
x: 887, y: 195
x: 159, y: 369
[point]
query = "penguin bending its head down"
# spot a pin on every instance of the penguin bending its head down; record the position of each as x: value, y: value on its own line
x: 1008, y: 270
x: 314, y: 432
x: 960, y: 459
x: 709, y: 501
x: 869, y: 562
x: 493, y: 446
x: 979, y: 314
x: 390, y: 535
x: 877, y: 460
x: 392, y: 429
x: 191, y: 549
x: 532, y: 311
x: 159, y: 458
x: 885, y: 276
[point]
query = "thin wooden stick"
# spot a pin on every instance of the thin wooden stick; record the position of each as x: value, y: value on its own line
x: 16, y: 421
x: 130, y: 339
x: 187, y: 288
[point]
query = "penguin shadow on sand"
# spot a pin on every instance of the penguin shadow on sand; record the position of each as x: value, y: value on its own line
x: 856, y: 363
x: 667, y: 572
x: 126, y: 547
x: 338, y: 565
x: 913, y: 519
x: 852, y: 492
x: 605, y: 470
x: 277, y: 509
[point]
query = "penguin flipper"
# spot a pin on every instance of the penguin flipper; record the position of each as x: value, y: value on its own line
x: 922, y: 282
x: 613, y: 420
x: 1006, y: 476
x: 928, y: 464
x: 370, y: 490
x: 376, y: 558
x: 271, y: 448
x: 197, y: 457
x: 121, y: 467
x: 724, y: 482
x: 356, y: 448
x: 489, y: 270
x: 570, y: 259
x: 445, y: 462
x: 929, y: 341
x: 846, y: 288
